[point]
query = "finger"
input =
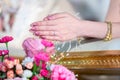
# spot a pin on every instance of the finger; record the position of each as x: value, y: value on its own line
x: 43, y: 23
x: 40, y: 28
x: 53, y: 38
x: 45, y: 19
x: 45, y: 33
x: 56, y: 16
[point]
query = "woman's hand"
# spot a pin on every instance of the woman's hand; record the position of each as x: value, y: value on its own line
x: 60, y: 27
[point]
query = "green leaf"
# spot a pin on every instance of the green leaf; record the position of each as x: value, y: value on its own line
x: 34, y: 69
x: 3, y: 75
x: 42, y: 78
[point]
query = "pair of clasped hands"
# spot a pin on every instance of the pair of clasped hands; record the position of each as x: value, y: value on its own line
x: 57, y: 27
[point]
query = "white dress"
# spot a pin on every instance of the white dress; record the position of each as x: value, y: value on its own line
x: 31, y: 11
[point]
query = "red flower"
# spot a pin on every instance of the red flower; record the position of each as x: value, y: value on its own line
x: 34, y: 78
x: 47, y: 43
x: 6, y: 39
x: 0, y: 52
x: 4, y: 52
x: 44, y: 72
x: 42, y: 56
x: 44, y: 65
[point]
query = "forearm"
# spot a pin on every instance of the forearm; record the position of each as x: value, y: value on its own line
x: 99, y: 29
x: 113, y: 14
x: 93, y: 29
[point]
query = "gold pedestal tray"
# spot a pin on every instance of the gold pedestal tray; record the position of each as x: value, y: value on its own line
x: 93, y: 62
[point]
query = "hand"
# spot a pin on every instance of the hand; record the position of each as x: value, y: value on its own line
x: 60, y: 27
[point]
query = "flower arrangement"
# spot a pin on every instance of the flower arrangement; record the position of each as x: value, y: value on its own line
x: 35, y: 66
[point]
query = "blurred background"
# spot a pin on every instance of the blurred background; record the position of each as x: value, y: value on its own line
x: 17, y: 15
x: 10, y: 10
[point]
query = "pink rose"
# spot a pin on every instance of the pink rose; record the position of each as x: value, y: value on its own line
x: 16, y: 61
x: 47, y: 43
x: 9, y: 63
x: 35, y: 78
x: 42, y: 56
x: 44, y: 72
x: 6, y: 39
x: 32, y: 46
x: 43, y: 65
x: 61, y: 73
x: 19, y: 70
x: 10, y: 74
x: 3, y: 67
x: 29, y: 65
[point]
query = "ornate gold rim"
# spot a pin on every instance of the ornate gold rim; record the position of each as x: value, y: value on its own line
x: 92, y: 59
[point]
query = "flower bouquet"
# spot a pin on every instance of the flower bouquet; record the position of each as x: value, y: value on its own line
x: 35, y: 66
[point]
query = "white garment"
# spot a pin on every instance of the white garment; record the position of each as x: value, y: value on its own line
x: 29, y: 12
x: 114, y: 44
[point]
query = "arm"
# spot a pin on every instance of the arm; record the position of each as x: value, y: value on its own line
x: 113, y: 16
x: 63, y: 26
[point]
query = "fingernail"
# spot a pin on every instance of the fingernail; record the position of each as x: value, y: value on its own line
x: 33, y: 28
x: 42, y: 37
x: 36, y: 32
x: 33, y: 24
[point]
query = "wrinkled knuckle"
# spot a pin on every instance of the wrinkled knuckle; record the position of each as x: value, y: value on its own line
x: 46, y: 22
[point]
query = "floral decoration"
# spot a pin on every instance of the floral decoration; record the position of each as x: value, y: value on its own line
x: 35, y: 66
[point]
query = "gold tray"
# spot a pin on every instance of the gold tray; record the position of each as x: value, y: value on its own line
x: 93, y: 62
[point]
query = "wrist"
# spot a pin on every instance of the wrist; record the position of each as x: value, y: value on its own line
x: 92, y: 29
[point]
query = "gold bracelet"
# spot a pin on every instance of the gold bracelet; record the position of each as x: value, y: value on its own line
x: 108, y: 36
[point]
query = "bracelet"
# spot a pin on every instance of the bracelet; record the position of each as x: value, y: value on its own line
x: 108, y: 36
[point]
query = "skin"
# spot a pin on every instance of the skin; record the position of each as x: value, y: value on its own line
x: 64, y: 26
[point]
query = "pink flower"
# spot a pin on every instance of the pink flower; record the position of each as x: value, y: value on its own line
x: 3, y: 67
x: 9, y: 63
x: 29, y: 65
x: 10, y: 74
x: 19, y: 70
x: 43, y: 65
x: 50, y: 50
x: 42, y: 56
x: 32, y: 46
x: 47, y: 43
x: 35, y: 78
x: 10, y: 58
x: 6, y: 39
x: 61, y: 73
x: 44, y: 72
x: 4, y: 52
x: 1, y: 53
x: 16, y: 61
